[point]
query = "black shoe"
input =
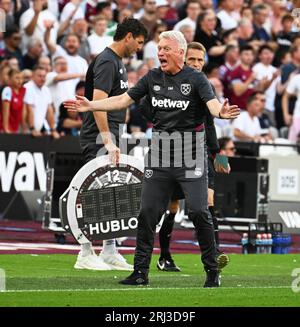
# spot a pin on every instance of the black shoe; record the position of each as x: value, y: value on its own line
x: 167, y: 265
x: 212, y: 279
x: 136, y: 278
x: 222, y: 260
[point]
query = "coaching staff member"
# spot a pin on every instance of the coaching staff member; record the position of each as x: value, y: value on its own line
x: 106, y: 77
x: 164, y: 85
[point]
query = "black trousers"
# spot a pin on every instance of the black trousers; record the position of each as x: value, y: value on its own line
x: 158, y: 186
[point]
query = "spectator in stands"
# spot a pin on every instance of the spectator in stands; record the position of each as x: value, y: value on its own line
x: 76, y: 64
x: 268, y: 75
x: 61, y: 83
x: 39, y: 104
x: 69, y: 121
x: 188, y: 33
x: 137, y: 8
x: 247, y: 127
x: 264, y: 119
x: 45, y: 62
x: 91, y: 10
x: 12, y: 41
x: 227, y: 15
x: 193, y: 10
x: 26, y: 75
x: 231, y: 62
x: 245, y: 34
x: 246, y: 12
x: 285, y: 38
x: 13, y: 111
x: 292, y: 120
x: 242, y: 78
x: 287, y: 72
x: 125, y: 13
x: 227, y: 147
x: 80, y: 28
x: 6, y: 6
x: 98, y: 40
x: 70, y: 13
x: 162, y: 7
x: 35, y: 50
x: 72, y: 10
x: 34, y: 21
x: 105, y: 9
x: 118, y: 7
x: 149, y: 19
x: 260, y: 13
x: 278, y: 10
x: 150, y: 50
x: 13, y: 63
x: 206, y: 35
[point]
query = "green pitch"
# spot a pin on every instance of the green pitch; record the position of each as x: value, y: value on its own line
x: 249, y: 280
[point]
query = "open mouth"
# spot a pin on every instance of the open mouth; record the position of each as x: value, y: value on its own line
x: 163, y: 62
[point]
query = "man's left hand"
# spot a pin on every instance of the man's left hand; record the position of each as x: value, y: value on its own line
x: 229, y: 112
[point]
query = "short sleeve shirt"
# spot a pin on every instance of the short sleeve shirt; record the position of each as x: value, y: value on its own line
x: 108, y: 74
x: 178, y: 102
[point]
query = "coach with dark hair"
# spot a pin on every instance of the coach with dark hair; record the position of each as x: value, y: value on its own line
x: 106, y: 77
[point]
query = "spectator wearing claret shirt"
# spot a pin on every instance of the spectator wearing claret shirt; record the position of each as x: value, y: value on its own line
x: 13, y: 110
x: 241, y: 79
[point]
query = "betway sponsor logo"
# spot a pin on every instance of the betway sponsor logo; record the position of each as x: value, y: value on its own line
x: 168, y: 103
x: 290, y: 218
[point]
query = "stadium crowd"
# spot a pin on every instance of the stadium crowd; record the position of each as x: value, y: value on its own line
x: 253, y: 59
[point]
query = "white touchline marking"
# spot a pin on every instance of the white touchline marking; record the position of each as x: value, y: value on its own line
x: 144, y: 288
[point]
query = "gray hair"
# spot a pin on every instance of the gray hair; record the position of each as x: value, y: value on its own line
x: 33, y: 42
x: 176, y: 36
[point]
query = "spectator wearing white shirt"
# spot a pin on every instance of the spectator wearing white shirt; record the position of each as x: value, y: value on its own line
x: 61, y: 83
x: 293, y: 89
x: 98, y: 40
x: 33, y: 23
x: 247, y: 127
x: 267, y: 74
x: 150, y: 50
x: 76, y: 64
x: 69, y: 8
x: 228, y: 16
x: 39, y: 104
x: 193, y: 10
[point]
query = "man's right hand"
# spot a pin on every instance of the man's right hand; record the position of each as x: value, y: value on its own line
x: 113, y: 152
x: 81, y: 104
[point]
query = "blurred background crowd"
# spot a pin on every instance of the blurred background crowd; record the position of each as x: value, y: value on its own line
x: 253, y: 59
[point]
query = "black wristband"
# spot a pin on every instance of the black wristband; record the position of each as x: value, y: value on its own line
x: 52, y: 129
x: 31, y: 129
